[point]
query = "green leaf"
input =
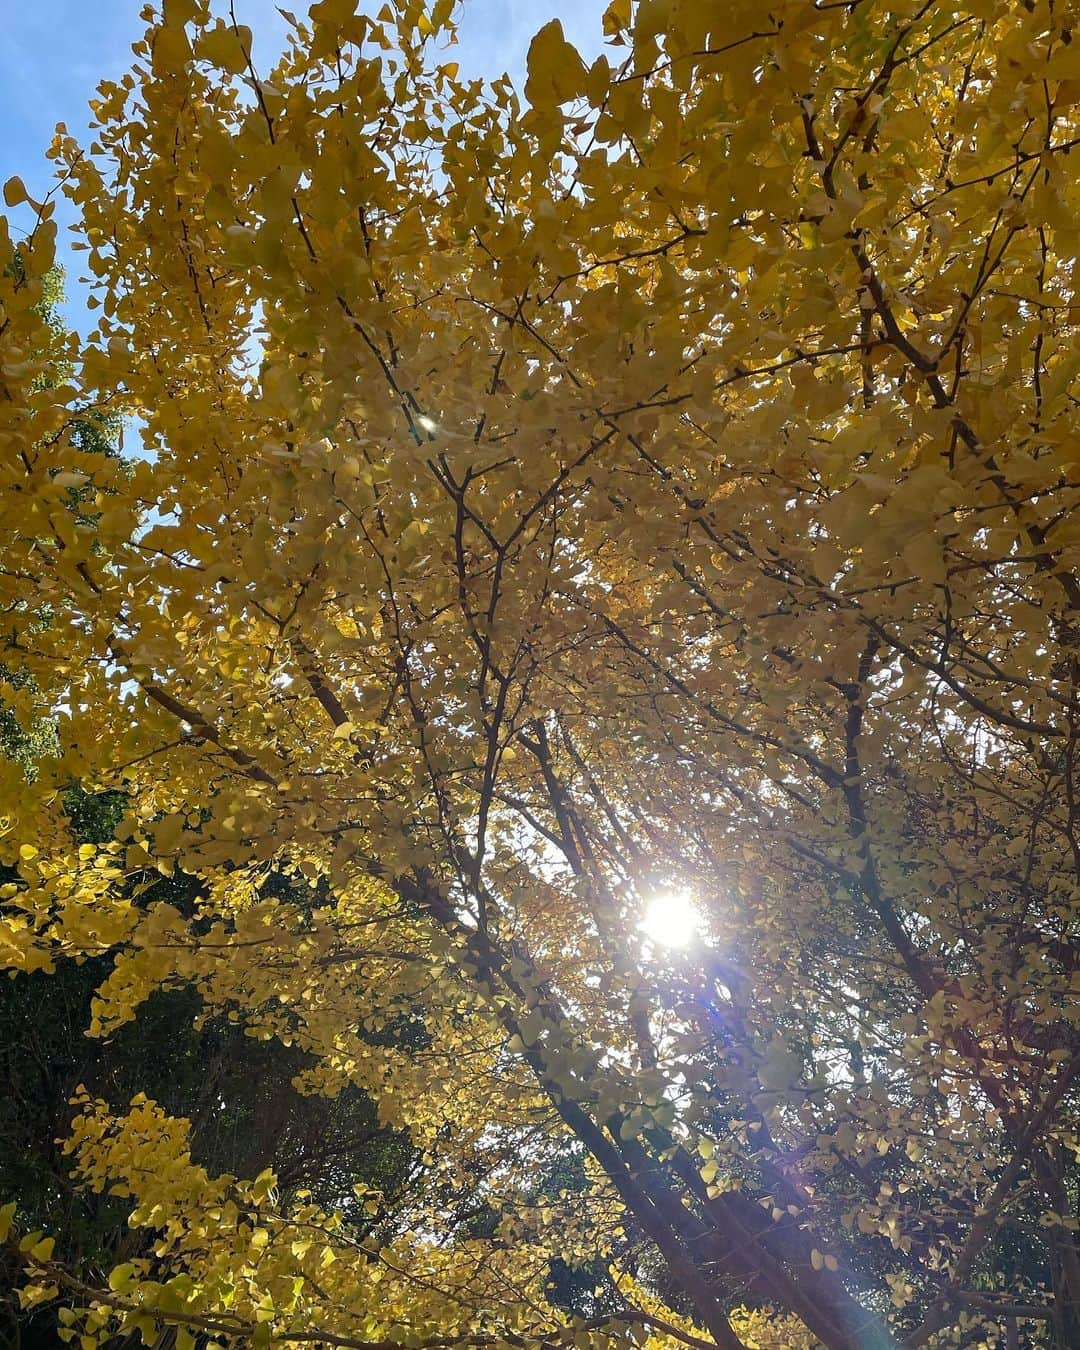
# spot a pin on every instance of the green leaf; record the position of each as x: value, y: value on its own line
x: 121, y: 1278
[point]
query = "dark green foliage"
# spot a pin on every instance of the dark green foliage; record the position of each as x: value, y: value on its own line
x: 94, y: 816
x: 26, y: 741
x: 237, y: 1092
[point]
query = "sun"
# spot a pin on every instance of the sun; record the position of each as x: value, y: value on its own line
x: 671, y: 919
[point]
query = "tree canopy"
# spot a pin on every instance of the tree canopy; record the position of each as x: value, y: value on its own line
x: 654, y: 486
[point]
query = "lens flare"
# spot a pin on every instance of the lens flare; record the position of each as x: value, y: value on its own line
x: 671, y: 919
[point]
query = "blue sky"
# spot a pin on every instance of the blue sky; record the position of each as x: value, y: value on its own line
x: 54, y: 52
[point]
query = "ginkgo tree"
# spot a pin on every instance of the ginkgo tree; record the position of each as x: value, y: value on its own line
x: 660, y: 480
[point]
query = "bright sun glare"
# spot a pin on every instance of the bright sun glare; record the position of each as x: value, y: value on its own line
x: 671, y: 919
